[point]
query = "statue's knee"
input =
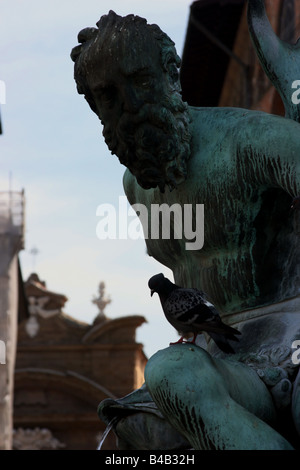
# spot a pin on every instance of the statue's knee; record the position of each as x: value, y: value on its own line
x: 185, y: 370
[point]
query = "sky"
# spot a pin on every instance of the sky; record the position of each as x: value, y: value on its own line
x: 52, y: 146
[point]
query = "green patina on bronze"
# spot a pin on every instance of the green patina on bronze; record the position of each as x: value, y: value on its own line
x: 209, y: 405
x: 244, y: 166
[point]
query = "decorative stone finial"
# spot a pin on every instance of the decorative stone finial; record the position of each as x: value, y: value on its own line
x: 101, y: 301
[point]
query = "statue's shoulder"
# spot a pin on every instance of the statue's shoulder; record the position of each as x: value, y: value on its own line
x: 215, y: 121
x: 224, y: 113
x: 207, y: 121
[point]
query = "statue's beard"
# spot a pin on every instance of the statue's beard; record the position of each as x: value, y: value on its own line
x: 154, y: 143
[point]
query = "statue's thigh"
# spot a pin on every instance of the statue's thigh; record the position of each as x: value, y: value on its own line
x: 213, y: 403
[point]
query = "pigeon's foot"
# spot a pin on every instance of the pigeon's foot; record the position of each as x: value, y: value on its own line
x: 182, y: 340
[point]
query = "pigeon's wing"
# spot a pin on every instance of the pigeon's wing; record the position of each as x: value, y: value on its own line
x: 189, y: 306
x: 188, y: 311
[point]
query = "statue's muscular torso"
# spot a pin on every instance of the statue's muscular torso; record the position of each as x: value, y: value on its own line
x: 251, y: 252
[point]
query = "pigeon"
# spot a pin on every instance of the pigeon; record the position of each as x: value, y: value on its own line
x: 189, y: 312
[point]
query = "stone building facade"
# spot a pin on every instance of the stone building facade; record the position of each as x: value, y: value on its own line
x: 65, y: 367
x: 219, y: 64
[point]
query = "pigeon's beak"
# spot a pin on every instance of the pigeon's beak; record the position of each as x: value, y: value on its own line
x: 152, y: 292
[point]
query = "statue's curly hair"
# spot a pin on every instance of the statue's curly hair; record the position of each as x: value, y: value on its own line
x: 164, y: 162
x: 107, y: 24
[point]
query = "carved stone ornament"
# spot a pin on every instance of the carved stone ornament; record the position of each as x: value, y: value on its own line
x: 36, y: 308
x: 41, y: 303
x: 101, y: 301
x: 32, y: 326
x: 35, y: 439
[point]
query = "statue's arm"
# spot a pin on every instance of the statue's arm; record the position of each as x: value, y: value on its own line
x: 269, y: 152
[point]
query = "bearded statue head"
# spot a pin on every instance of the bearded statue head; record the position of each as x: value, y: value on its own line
x: 128, y: 72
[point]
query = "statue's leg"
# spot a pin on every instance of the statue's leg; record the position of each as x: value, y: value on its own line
x: 214, y: 403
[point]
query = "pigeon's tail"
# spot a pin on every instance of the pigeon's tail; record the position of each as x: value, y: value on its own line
x: 222, y: 342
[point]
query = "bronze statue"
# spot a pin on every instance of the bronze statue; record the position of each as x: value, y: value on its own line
x: 244, y: 166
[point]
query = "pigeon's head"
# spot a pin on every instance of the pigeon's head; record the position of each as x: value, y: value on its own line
x: 156, y: 283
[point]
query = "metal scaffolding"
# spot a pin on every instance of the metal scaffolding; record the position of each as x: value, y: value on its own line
x: 12, y: 214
